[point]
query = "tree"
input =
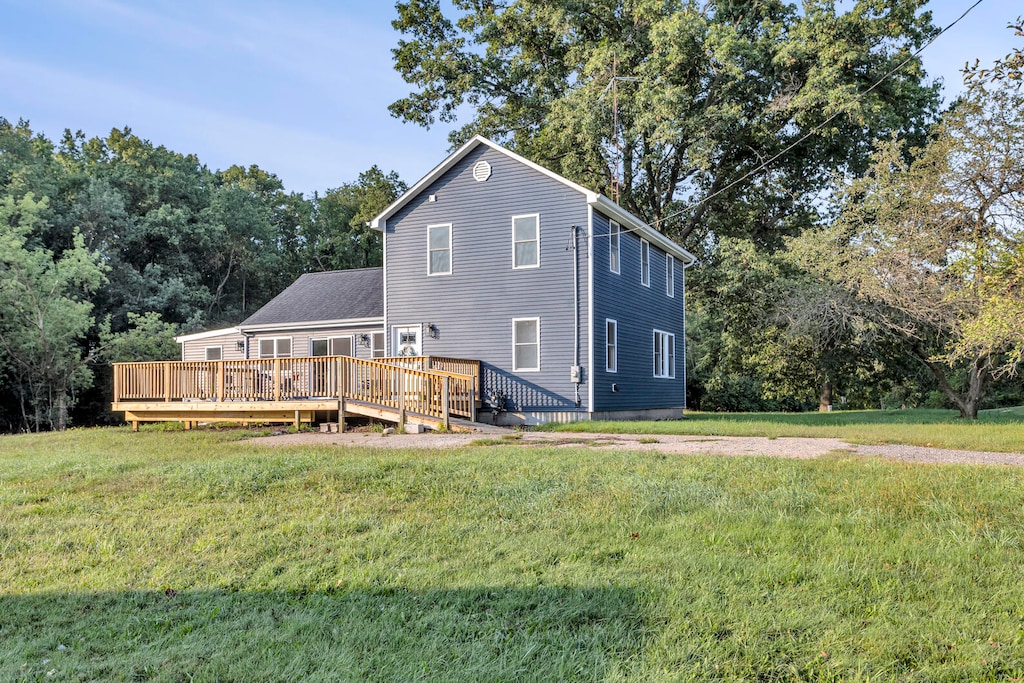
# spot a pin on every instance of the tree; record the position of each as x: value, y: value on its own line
x: 919, y: 241
x: 44, y: 314
x: 672, y: 105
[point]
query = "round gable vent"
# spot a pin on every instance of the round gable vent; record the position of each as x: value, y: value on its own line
x: 482, y: 171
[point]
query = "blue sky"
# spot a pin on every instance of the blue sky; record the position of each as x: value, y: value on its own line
x: 300, y: 88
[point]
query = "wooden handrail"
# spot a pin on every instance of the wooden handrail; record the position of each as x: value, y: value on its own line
x: 391, y: 383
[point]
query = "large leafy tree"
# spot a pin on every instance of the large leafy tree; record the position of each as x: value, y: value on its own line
x: 45, y: 314
x: 919, y: 243
x: 678, y: 104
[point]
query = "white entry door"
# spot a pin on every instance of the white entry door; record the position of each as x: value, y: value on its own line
x: 407, y: 340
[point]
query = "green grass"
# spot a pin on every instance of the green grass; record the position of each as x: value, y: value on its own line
x: 999, y: 430
x: 175, y: 556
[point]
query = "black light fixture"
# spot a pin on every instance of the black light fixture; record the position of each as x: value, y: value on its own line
x: 432, y: 331
x: 364, y: 339
x: 240, y: 344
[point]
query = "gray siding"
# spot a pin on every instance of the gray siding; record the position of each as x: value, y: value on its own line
x: 301, y: 340
x: 639, y: 311
x: 196, y: 350
x: 474, y: 306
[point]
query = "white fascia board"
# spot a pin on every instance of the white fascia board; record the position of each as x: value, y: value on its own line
x: 196, y: 336
x: 625, y: 218
x: 314, y: 325
x: 378, y: 222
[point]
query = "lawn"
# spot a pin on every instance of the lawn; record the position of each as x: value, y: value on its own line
x: 172, y: 556
x: 1000, y: 430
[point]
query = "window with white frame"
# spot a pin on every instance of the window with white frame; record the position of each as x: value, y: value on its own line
x: 332, y: 346
x: 525, y: 344
x: 526, y: 241
x: 214, y: 353
x: 664, y: 354
x: 611, y: 337
x: 439, y: 249
x: 670, y: 275
x: 276, y: 347
x: 613, y: 246
x: 377, y: 348
x: 645, y: 263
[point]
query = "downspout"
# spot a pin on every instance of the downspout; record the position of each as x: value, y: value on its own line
x: 576, y: 372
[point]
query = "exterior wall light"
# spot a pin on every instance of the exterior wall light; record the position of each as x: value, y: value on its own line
x: 432, y: 331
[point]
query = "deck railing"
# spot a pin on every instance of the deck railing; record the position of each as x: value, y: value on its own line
x: 456, y: 366
x: 398, y: 384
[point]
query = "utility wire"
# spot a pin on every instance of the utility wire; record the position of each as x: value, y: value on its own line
x: 817, y: 128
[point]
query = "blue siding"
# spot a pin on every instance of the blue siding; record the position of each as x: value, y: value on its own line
x: 474, y: 306
x: 639, y: 311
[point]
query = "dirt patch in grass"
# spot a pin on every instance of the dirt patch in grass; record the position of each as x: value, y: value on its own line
x: 781, y: 447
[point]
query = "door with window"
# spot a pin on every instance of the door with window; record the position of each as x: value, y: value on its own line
x: 322, y: 374
x: 407, y: 340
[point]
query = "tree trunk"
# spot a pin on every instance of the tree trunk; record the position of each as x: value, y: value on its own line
x: 979, y: 375
x: 825, y: 400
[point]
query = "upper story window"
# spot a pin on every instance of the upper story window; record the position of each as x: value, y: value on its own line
x: 526, y: 241
x: 664, y: 354
x: 613, y: 246
x: 525, y: 344
x: 276, y: 347
x: 645, y: 263
x: 214, y: 352
x: 439, y: 249
x: 670, y: 275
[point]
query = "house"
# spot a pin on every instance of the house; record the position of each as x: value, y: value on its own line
x: 573, y: 307
x: 335, y: 313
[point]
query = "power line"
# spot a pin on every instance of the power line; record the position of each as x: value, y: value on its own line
x: 817, y: 128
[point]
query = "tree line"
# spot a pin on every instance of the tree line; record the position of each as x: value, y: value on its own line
x: 109, y: 246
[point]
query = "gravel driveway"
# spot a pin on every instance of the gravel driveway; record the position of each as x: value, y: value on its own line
x: 783, y: 447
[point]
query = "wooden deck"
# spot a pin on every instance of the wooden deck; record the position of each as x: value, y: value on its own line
x: 421, y: 390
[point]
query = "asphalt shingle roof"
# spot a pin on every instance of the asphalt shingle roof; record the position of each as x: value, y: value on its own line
x: 334, y: 295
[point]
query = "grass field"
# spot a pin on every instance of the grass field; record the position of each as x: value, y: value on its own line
x: 999, y: 430
x: 176, y: 556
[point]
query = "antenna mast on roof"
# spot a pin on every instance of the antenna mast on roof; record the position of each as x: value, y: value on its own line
x: 618, y: 171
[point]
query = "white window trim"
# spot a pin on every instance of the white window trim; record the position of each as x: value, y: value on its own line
x: 615, y: 229
x: 645, y: 263
x: 668, y: 359
x: 536, y: 217
x: 383, y: 351
x: 451, y: 253
x: 515, y: 368
x: 614, y: 366
x: 291, y: 346
x: 206, y: 353
x: 670, y: 276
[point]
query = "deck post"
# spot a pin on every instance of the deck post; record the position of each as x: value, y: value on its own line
x: 472, y: 404
x: 341, y: 415
x: 445, y: 394
x: 220, y: 380
x: 277, y: 379
x: 167, y: 382
x: 401, y: 400
x: 298, y: 416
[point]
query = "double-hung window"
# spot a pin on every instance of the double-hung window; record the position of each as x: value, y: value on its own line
x: 670, y: 275
x: 276, y: 347
x: 645, y: 263
x: 525, y: 344
x: 664, y: 354
x: 377, y: 342
x: 526, y: 241
x: 611, y: 340
x: 439, y: 249
x: 613, y: 246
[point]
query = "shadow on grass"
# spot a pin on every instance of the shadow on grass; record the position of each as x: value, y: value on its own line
x: 475, y: 634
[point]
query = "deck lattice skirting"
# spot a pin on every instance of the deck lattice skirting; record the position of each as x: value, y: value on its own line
x: 426, y: 390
